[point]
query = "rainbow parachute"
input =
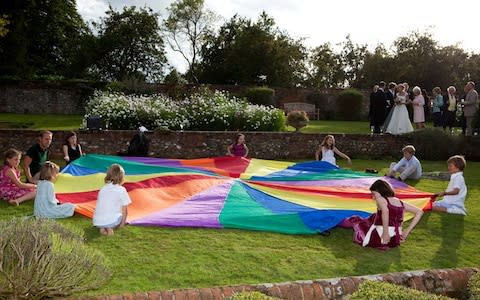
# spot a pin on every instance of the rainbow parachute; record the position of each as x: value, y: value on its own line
x: 231, y: 192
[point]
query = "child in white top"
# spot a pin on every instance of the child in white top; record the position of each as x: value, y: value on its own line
x: 328, y: 150
x: 454, y: 197
x: 409, y: 166
x: 112, y: 201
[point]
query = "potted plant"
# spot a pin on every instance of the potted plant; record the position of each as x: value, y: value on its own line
x: 297, y: 119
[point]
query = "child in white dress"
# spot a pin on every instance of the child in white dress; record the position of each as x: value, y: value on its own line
x: 328, y: 150
x: 46, y: 205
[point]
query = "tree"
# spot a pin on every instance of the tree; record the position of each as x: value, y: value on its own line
x: 187, y: 26
x: 353, y: 58
x: 325, y: 68
x: 3, y: 26
x: 42, y: 37
x: 130, y: 45
x: 378, y: 65
x: 244, y: 52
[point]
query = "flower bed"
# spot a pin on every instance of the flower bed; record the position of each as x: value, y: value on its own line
x: 203, y: 110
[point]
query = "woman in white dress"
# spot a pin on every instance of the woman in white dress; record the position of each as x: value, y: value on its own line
x: 398, y: 122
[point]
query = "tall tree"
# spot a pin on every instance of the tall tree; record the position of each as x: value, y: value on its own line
x: 244, y: 51
x: 41, y: 37
x: 3, y: 26
x: 130, y: 45
x: 353, y: 58
x: 187, y: 26
x: 325, y: 68
x: 378, y: 65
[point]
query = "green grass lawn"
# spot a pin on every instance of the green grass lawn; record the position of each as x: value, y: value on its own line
x: 151, y: 258
x: 351, y: 127
x: 40, y: 121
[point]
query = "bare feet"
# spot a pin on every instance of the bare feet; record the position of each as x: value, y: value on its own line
x: 13, y: 202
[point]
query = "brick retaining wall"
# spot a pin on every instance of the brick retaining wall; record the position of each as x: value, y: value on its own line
x: 265, y: 145
x: 195, y: 144
x: 449, y: 282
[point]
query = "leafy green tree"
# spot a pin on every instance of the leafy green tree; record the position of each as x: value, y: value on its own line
x: 378, y: 65
x: 130, y: 45
x: 187, y: 26
x: 3, y: 26
x: 244, y: 52
x: 325, y: 68
x: 42, y: 37
x: 353, y: 58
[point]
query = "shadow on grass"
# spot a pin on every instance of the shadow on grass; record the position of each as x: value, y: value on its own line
x: 452, y: 227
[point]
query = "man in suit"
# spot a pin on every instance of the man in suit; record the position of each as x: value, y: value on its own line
x: 379, y: 108
x: 390, y: 95
x: 470, y: 106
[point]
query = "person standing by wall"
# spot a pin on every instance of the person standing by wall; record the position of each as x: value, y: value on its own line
x: 470, y: 106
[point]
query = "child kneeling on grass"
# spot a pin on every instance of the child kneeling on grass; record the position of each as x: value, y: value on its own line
x: 454, y: 197
x: 113, y: 199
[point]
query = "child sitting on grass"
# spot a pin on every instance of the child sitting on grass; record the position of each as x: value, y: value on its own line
x: 46, y: 205
x: 454, y: 196
x: 409, y: 166
x: 113, y: 199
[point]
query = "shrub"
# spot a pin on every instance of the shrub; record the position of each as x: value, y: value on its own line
x: 428, y: 143
x: 474, y: 287
x: 40, y: 259
x: 349, y: 105
x: 202, y: 110
x: 386, y: 291
x: 250, y: 296
x: 260, y: 95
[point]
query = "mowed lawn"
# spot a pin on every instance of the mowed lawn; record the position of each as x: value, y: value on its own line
x: 40, y: 121
x: 151, y: 258
x: 73, y: 122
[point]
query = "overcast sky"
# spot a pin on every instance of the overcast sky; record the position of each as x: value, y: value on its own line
x: 319, y: 21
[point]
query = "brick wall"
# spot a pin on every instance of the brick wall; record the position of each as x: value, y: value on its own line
x: 71, y: 97
x: 266, y: 145
x: 449, y: 282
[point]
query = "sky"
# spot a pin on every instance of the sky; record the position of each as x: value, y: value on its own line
x: 319, y: 21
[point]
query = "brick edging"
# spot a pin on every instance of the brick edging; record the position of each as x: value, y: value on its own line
x: 450, y: 282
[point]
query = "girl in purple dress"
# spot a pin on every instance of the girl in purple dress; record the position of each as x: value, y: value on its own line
x: 383, y: 229
x: 238, y: 148
x: 11, y: 188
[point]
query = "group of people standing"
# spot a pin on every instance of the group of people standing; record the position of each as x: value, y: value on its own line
x: 389, y: 114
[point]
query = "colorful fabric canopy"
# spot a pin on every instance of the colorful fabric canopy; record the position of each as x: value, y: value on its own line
x: 231, y: 192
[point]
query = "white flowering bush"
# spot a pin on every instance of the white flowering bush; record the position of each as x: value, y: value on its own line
x: 203, y: 110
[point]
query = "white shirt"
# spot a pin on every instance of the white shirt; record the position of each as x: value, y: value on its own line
x: 413, y: 161
x: 457, y: 181
x: 111, y: 198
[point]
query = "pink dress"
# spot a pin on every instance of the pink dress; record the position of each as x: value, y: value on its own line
x: 361, y: 227
x: 418, y: 111
x: 8, y: 189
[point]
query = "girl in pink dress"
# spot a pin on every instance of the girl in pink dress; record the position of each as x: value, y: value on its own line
x: 238, y: 148
x: 383, y: 229
x: 11, y: 188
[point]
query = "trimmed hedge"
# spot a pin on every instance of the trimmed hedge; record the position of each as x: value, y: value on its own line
x: 386, y: 291
x: 349, y: 105
x: 260, y: 95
